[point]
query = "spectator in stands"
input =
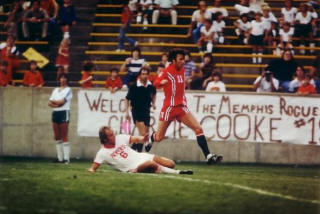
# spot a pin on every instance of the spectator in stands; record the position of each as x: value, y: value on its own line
x: 242, y: 28
x: 132, y: 66
x: 288, y: 13
x: 298, y: 80
x: 153, y: 76
x: 307, y: 87
x: 206, y: 69
x: 9, y: 52
x: 133, y: 6
x: 197, y: 20
x: 315, y: 68
x: 145, y: 12
x: 266, y: 83
x: 218, y: 27
x: 258, y: 34
x: 113, y: 82
x: 164, y: 59
x: 214, y: 83
x: 35, y: 22
x: 126, y: 17
x: 254, y: 7
x: 67, y: 16
x: 205, y: 42
x: 52, y: 8
x: 33, y: 77
x: 86, y: 79
x: 270, y: 22
x: 286, y: 33
x: 3, y: 74
x: 189, y: 68
x: 165, y: 8
x: 217, y: 8
x: 15, y: 19
x: 283, y: 69
x: 305, y: 20
x: 63, y: 57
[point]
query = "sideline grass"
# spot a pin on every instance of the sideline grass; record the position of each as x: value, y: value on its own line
x: 38, y: 186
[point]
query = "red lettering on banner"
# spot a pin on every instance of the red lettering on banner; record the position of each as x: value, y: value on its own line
x: 103, y: 105
x: 208, y: 109
x: 204, y: 119
x: 227, y: 101
x: 242, y: 125
x: 228, y: 126
x: 111, y: 107
x: 93, y: 106
x: 198, y: 97
x: 235, y: 109
x: 273, y: 128
x: 122, y: 105
x: 256, y: 128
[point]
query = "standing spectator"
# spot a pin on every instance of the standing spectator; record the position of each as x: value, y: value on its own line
x: 10, y: 53
x: 67, y: 16
x: 126, y: 17
x: 299, y: 79
x: 304, y: 22
x: 141, y: 96
x: 242, y: 28
x: 189, y: 68
x: 218, y: 27
x: 86, y: 79
x: 197, y: 20
x: 258, y: 34
x: 307, y: 87
x: 145, y: 12
x: 214, y: 83
x: 288, y: 13
x: 33, y: 77
x: 132, y: 66
x: 286, y: 33
x: 35, y: 22
x: 114, y: 82
x: 164, y: 59
x: 63, y: 57
x: 165, y: 8
x: 217, y: 8
x: 52, y: 8
x: 283, y: 69
x: 14, y: 20
x: 270, y: 23
x: 60, y: 101
x: 266, y: 83
x: 205, y: 42
x: 3, y: 74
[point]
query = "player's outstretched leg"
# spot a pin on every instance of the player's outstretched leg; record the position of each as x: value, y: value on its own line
x: 158, y: 135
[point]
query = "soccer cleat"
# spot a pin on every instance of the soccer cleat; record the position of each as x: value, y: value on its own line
x: 149, y: 144
x: 186, y: 172
x: 214, y: 159
x: 57, y: 161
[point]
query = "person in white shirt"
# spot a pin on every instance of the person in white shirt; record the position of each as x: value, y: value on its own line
x: 242, y: 28
x: 116, y: 152
x: 197, y: 19
x: 216, y: 8
x: 254, y: 6
x: 218, y: 27
x: 206, y: 38
x: 145, y: 10
x: 298, y: 80
x: 214, y: 83
x: 266, y: 83
x: 165, y: 8
x: 286, y: 33
x: 288, y: 12
x: 60, y: 101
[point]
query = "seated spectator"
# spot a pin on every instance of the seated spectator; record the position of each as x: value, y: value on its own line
x: 4, y: 81
x: 214, y: 83
x: 258, y: 34
x: 217, y: 8
x: 51, y: 7
x: 189, y: 68
x: 165, y: 8
x: 307, y: 87
x: 63, y: 57
x: 298, y: 80
x: 133, y: 5
x: 283, y: 69
x: 35, y: 22
x: 266, y: 83
x: 286, y: 33
x: 164, y: 59
x: 66, y: 16
x: 206, y: 69
x: 114, y: 82
x: 132, y: 66
x: 205, y: 42
x: 86, y: 79
x: 218, y: 27
x: 288, y: 13
x: 197, y: 20
x: 10, y: 54
x: 242, y: 28
x: 253, y: 7
x: 305, y: 20
x: 33, y: 77
x: 145, y: 12
x: 153, y: 76
x: 14, y: 20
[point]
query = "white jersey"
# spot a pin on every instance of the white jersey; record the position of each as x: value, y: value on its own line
x: 206, y: 32
x: 121, y: 156
x: 218, y: 9
x: 244, y: 26
x: 265, y: 86
x: 286, y: 35
x: 59, y: 94
x: 267, y: 21
x: 218, y: 26
x: 305, y: 19
x: 198, y: 17
x: 216, y: 86
x: 258, y: 28
x: 289, y: 15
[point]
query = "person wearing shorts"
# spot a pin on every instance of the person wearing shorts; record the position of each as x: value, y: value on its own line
x: 116, y: 152
x: 60, y: 101
x: 175, y: 105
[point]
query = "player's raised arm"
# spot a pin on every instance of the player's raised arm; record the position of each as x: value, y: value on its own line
x: 161, y: 79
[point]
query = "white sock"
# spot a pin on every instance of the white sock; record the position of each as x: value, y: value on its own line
x: 66, y: 151
x: 59, y: 148
x: 167, y: 170
x: 254, y: 59
x: 260, y: 58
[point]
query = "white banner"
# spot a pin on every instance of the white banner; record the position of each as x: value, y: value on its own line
x: 224, y: 117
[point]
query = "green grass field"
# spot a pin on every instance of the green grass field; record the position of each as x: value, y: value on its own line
x: 39, y: 186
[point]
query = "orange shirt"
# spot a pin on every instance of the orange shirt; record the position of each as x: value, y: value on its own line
x: 113, y: 83
x: 307, y: 89
x: 3, y: 79
x: 86, y: 75
x: 33, y: 78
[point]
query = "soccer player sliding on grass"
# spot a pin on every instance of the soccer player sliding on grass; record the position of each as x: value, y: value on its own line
x: 175, y: 105
x: 115, y: 151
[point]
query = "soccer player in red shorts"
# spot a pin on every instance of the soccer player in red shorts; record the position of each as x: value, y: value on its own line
x: 175, y: 105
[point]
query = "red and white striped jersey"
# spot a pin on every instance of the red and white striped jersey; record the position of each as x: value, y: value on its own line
x: 174, y: 89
